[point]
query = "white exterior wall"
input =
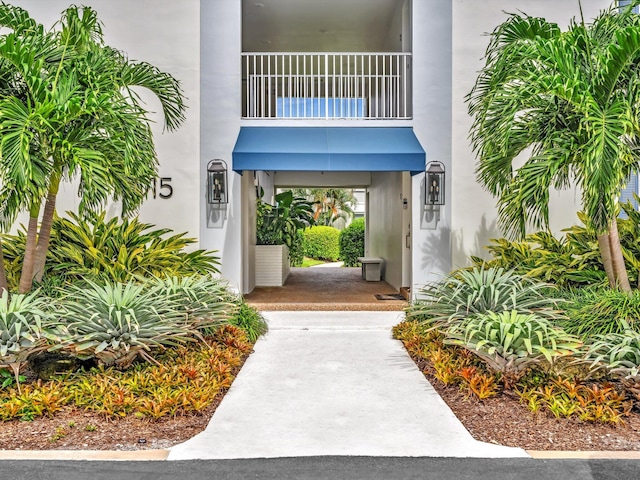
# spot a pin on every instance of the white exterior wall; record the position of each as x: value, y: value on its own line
x: 473, y: 214
x: 431, y: 248
x: 385, y: 238
x: 199, y: 42
x: 220, y: 23
x: 167, y: 36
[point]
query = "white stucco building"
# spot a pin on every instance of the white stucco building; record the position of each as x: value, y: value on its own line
x: 351, y: 93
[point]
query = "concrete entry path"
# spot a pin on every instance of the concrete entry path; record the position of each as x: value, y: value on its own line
x: 333, y: 383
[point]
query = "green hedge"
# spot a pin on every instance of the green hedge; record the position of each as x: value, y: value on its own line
x: 322, y: 243
x: 296, y: 250
x: 352, y: 243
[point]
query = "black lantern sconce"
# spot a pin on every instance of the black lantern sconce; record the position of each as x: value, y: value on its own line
x: 434, y: 184
x: 217, y: 182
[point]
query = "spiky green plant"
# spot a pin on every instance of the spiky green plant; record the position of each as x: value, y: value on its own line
x: 204, y: 301
x: 250, y: 320
x: 481, y: 290
x: 116, y: 322
x: 24, y: 326
x: 617, y: 353
x: 601, y: 311
x: 510, y: 342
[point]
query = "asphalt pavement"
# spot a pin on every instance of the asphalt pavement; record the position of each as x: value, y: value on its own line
x: 316, y: 468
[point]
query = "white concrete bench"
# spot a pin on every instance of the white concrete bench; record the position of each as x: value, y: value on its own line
x: 371, y: 268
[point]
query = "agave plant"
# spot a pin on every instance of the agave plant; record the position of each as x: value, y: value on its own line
x: 24, y: 327
x: 511, y: 342
x: 481, y: 290
x: 204, y: 301
x: 116, y: 322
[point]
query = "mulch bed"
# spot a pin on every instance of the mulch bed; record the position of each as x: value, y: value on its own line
x: 505, y: 421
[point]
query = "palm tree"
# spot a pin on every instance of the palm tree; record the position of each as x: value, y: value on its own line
x: 330, y: 204
x: 568, y: 101
x: 68, y: 109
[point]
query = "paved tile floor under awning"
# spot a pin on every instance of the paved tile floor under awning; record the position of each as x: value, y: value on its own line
x: 330, y: 288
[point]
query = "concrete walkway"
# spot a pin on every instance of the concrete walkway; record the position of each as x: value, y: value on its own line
x: 333, y: 383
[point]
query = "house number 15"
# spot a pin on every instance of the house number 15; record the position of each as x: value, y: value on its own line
x: 164, y: 189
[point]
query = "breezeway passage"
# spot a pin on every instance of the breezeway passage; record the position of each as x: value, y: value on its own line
x: 333, y: 383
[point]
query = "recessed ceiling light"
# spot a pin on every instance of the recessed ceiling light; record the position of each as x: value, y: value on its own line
x: 266, y: 42
x: 258, y: 5
x: 322, y: 30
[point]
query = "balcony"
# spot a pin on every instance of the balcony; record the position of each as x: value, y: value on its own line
x: 371, y: 86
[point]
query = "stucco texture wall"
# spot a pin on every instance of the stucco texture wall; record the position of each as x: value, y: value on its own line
x: 385, y: 233
x: 473, y: 214
x: 166, y: 34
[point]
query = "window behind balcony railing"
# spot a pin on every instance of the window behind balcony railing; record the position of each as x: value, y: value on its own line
x: 326, y: 85
x: 624, y: 3
x: 631, y: 190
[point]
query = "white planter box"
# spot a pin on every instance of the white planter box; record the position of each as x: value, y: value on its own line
x: 272, y: 265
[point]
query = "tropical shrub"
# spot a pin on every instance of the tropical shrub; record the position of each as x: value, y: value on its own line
x: 279, y: 224
x: 351, y: 243
x: 249, y: 320
x: 321, y: 242
x: 115, y: 322
x: 92, y: 247
x: 565, y: 398
x: 616, y: 353
x: 448, y: 363
x: 296, y: 250
x: 600, y: 311
x: 204, y: 302
x: 186, y: 381
x: 573, y: 259
x: 511, y: 342
x: 482, y: 290
x: 92, y: 127
x: 25, y: 325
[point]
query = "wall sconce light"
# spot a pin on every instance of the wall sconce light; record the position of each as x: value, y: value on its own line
x: 217, y: 182
x: 434, y: 184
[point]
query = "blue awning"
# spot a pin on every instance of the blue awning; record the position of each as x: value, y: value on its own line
x: 328, y: 149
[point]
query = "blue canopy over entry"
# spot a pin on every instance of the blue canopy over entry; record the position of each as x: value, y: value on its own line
x: 329, y: 149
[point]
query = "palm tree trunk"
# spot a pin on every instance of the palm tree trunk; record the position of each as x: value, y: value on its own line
x: 47, y: 221
x: 44, y: 236
x: 3, y: 274
x: 26, y: 276
x: 605, y: 254
x: 617, y: 259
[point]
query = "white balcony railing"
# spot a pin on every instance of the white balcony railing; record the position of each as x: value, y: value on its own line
x: 326, y: 85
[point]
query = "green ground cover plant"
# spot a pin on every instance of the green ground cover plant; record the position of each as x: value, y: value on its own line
x: 600, y: 311
x: 183, y: 381
x: 311, y: 262
x: 249, y: 320
x: 591, y: 377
